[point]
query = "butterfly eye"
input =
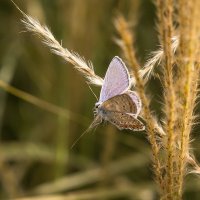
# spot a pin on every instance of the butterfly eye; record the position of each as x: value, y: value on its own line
x: 96, y: 105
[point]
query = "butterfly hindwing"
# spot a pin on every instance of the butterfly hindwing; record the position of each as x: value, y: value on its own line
x: 136, y: 100
x: 116, y: 81
x: 120, y: 103
x: 125, y: 121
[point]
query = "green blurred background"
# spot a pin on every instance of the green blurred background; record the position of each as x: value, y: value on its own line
x: 35, y: 144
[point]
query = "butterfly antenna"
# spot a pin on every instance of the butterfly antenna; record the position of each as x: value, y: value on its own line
x: 87, y: 130
x: 97, y: 120
x: 92, y: 92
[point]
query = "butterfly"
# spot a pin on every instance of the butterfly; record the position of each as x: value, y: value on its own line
x: 117, y: 104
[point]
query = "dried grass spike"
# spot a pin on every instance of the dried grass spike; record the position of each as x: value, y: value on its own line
x: 49, y: 40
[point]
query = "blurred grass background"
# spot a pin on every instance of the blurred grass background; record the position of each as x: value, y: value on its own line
x: 35, y: 154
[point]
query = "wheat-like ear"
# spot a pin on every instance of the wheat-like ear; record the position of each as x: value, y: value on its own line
x: 155, y: 59
x: 79, y: 63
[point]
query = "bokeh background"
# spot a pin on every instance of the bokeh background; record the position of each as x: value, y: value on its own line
x: 35, y: 154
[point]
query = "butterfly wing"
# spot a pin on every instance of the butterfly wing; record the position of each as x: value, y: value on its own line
x: 116, y: 81
x: 136, y: 100
x: 124, y: 121
x: 120, y: 103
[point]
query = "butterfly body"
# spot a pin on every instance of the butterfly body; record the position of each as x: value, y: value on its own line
x: 117, y: 104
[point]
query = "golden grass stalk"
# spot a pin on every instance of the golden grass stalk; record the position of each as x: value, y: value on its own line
x: 151, y: 127
x: 189, y: 70
x: 165, y: 26
x: 127, y: 38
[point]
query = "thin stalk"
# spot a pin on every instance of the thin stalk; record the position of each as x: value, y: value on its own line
x: 33, y: 99
x: 151, y: 127
x: 188, y: 49
x: 47, y: 106
x: 165, y: 11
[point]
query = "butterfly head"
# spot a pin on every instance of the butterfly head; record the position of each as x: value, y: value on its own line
x: 100, y: 110
x: 95, y: 110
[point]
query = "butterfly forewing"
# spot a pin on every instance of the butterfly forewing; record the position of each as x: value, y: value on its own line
x: 125, y: 121
x: 116, y: 81
x: 120, y: 103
